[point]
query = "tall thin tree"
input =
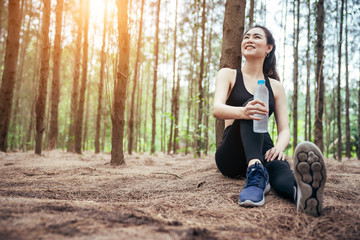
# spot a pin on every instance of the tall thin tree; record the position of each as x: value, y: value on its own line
x: 76, y: 76
x: 135, y: 81
x: 118, y: 110
x: 80, y: 110
x: 9, y: 72
x: 358, y: 146
x: 308, y: 65
x: 44, y: 75
x: 153, y: 114
x: 201, y: 76
x: 101, y: 82
x: 339, y: 142
x: 296, y: 71
x: 233, y: 28
x: 173, y: 97
x: 347, y: 100
x: 320, y: 91
x: 55, y: 90
x: 251, y: 13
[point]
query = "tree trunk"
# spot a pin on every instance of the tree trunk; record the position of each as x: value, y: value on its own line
x: 347, y: 100
x: 153, y: 115
x: 101, y: 83
x: 201, y: 75
x: 308, y: 65
x: 251, y: 13
x: 135, y: 80
x: 177, y: 106
x: 339, y: 142
x: 295, y: 73
x: 118, y: 110
x: 16, y: 123
x: 173, y: 97
x: 55, y: 91
x: 80, y: 112
x: 9, y: 73
x: 207, y: 90
x: 318, y: 128
x: 44, y: 75
x: 75, y: 88
x: 358, y: 146
x: 233, y: 29
x: 284, y: 46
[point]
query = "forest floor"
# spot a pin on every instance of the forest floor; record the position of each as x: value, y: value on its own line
x: 61, y: 195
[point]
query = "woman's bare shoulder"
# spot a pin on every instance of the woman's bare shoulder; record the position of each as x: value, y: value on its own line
x: 226, y: 74
x: 277, y: 87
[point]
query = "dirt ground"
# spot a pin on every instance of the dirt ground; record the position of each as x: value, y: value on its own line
x: 67, y: 196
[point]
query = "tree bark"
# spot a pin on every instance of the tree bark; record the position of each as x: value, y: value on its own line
x: 153, y: 115
x: 201, y: 75
x: 308, y: 65
x: 339, y: 142
x: 9, y: 72
x: 174, y: 87
x: 118, y: 110
x: 16, y: 122
x: 44, y: 75
x: 75, y: 87
x: 347, y: 100
x: 358, y: 146
x: 251, y: 13
x: 55, y: 91
x: 135, y: 82
x: 101, y: 83
x: 80, y: 110
x: 296, y: 72
x: 284, y: 46
x: 233, y: 29
x: 318, y: 128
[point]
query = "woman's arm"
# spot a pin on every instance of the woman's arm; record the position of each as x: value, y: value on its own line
x: 282, y: 122
x: 223, y: 86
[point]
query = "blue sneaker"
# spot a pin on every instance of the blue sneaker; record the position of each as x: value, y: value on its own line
x: 256, y: 186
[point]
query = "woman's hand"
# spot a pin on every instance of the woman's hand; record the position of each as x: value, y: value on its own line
x: 274, y: 153
x: 255, y: 107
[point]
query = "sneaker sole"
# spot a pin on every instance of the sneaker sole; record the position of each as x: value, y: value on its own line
x: 310, y: 175
x: 249, y: 203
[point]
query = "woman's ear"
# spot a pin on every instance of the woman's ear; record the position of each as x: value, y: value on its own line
x: 270, y: 47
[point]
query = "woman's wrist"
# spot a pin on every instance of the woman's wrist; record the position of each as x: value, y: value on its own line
x: 240, y: 113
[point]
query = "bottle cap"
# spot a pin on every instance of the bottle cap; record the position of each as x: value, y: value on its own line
x: 261, y: 81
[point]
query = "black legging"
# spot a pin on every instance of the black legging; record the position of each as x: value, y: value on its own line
x: 240, y: 144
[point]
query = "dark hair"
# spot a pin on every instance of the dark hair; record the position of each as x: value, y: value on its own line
x: 269, y: 66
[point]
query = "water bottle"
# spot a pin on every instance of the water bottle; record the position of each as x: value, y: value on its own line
x: 261, y: 93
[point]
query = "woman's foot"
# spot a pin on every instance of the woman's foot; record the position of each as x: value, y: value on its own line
x: 310, y: 176
x: 256, y: 186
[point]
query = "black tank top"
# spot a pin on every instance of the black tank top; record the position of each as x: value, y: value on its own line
x: 239, y: 95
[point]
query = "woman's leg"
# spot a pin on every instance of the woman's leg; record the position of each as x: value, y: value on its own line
x: 230, y: 156
x: 281, y: 176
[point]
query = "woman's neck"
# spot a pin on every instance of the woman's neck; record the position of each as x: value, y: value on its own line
x: 254, y: 68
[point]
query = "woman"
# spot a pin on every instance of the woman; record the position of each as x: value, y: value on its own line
x: 244, y: 152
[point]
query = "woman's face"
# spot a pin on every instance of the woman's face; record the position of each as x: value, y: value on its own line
x: 254, y: 44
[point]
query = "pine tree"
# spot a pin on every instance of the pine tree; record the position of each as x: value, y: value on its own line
x: 101, y: 82
x: 80, y: 110
x: 318, y: 129
x: 9, y: 72
x: 55, y: 90
x: 118, y: 110
x: 44, y: 75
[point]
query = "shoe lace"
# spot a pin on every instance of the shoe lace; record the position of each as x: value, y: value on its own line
x: 255, y: 176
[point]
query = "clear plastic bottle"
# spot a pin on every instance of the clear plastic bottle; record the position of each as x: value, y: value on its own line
x: 261, y: 93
